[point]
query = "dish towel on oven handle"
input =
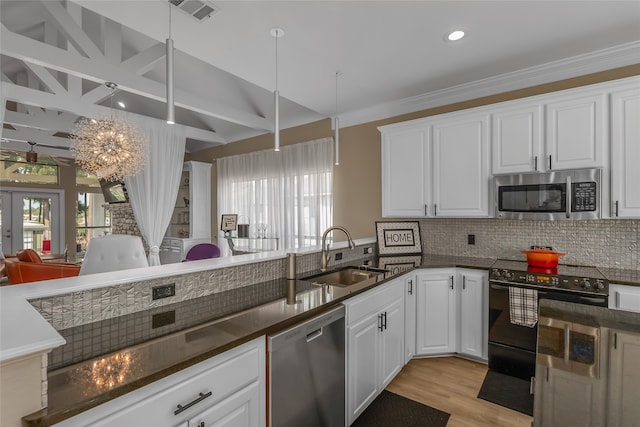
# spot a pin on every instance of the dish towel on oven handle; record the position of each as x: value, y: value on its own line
x: 523, y: 306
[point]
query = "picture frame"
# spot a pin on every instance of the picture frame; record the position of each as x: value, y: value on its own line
x: 398, y: 237
x: 229, y: 222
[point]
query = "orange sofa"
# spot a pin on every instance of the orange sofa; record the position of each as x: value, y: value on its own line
x: 28, y: 267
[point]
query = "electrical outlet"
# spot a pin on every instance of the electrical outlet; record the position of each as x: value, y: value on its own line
x: 163, y: 291
x: 338, y: 256
x: 367, y: 251
x: 471, y: 239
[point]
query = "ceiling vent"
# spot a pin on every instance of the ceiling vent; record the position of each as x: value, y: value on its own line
x: 199, y: 9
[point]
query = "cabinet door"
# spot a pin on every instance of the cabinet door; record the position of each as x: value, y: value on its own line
x: 436, y: 313
x: 570, y: 399
x: 516, y: 139
x: 473, y: 322
x: 576, y: 132
x: 623, y: 297
x: 405, y: 173
x: 242, y: 409
x: 363, y: 361
x: 624, y: 380
x: 392, y: 341
x: 410, y: 318
x: 461, y: 166
x: 625, y: 153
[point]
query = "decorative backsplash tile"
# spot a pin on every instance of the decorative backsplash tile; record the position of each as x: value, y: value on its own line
x: 80, y: 308
x: 603, y: 243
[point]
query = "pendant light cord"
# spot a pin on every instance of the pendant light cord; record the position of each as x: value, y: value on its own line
x: 169, y: 19
x: 276, y: 37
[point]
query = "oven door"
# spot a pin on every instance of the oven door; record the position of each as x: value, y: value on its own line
x: 512, y: 348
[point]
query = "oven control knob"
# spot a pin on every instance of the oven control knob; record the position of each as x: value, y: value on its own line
x: 599, y: 285
x: 586, y: 284
x: 507, y: 274
x: 496, y: 273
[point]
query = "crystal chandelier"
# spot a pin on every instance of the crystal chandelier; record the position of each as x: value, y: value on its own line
x: 110, y: 148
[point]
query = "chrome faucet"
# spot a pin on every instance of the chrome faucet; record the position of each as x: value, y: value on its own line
x: 324, y: 260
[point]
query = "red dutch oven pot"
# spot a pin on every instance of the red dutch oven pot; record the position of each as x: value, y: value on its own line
x: 542, y: 258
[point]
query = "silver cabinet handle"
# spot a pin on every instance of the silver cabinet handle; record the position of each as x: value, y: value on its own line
x: 535, y: 163
x: 380, y: 322
x: 384, y: 320
x: 200, y: 398
x: 410, y: 287
x: 569, y: 196
x: 549, y: 161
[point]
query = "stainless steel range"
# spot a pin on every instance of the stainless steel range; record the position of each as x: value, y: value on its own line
x: 579, y: 280
x: 512, y: 344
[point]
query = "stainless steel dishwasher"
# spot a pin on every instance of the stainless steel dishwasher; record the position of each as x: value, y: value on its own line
x: 307, y: 373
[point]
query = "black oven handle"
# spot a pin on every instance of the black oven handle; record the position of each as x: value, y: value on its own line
x: 594, y: 300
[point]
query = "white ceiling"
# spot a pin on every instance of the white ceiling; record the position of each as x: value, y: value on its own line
x: 391, y: 55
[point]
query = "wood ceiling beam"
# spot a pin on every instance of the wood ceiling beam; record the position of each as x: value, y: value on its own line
x: 99, y: 70
x: 70, y: 104
x: 60, y: 122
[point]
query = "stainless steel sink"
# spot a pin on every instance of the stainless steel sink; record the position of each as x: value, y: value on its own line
x: 347, y: 276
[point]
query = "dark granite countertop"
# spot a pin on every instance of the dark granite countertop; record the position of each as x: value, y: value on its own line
x: 622, y: 276
x: 180, y: 335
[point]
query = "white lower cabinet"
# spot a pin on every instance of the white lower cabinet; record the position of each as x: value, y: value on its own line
x: 226, y: 390
x: 474, y: 311
x: 624, y: 379
x: 452, y: 312
x: 409, y: 316
x: 435, y: 312
x: 569, y: 399
x: 375, y: 344
x: 624, y: 297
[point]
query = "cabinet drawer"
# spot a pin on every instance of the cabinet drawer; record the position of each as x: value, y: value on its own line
x: 206, y: 383
x: 373, y: 301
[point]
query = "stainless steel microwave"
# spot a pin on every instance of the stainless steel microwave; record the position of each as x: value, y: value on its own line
x: 568, y: 194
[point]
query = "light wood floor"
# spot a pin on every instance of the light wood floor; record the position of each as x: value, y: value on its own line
x: 451, y: 384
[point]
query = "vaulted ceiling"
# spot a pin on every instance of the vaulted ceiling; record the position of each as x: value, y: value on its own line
x: 391, y: 57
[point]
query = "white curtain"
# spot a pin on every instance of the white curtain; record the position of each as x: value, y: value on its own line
x: 153, y: 191
x: 291, y: 191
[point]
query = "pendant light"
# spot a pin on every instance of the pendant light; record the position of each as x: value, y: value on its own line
x: 32, y: 156
x: 276, y: 33
x: 171, y: 119
x: 336, y: 127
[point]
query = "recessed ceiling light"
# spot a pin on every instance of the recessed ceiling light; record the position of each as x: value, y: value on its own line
x: 455, y: 35
x: 121, y: 104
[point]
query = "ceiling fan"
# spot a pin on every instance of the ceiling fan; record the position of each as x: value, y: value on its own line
x: 32, y: 155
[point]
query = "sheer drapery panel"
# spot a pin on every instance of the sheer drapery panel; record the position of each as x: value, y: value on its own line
x: 291, y: 191
x: 153, y: 190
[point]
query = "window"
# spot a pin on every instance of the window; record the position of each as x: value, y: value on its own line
x: 15, y: 168
x: 92, y: 219
x: 290, y: 193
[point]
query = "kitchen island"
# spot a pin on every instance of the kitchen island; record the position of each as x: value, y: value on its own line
x: 221, y: 321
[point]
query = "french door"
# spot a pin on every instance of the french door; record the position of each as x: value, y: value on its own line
x: 32, y: 219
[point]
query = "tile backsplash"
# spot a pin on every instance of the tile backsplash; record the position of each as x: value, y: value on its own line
x: 604, y: 243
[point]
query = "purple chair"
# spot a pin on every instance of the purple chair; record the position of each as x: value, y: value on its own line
x: 202, y: 251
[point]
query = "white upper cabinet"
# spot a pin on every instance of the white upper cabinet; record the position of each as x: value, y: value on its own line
x: 625, y: 152
x: 454, y: 182
x: 576, y: 131
x: 405, y: 172
x: 517, y: 138
x: 461, y: 165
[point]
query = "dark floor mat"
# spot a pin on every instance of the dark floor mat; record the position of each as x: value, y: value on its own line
x: 507, y: 391
x: 392, y: 410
